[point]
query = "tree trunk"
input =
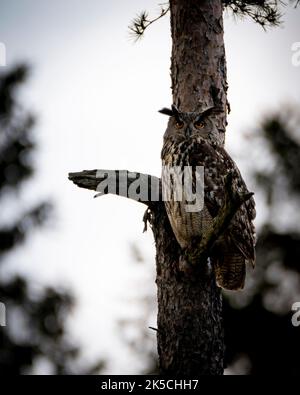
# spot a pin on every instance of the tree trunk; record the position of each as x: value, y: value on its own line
x: 198, y: 68
x: 190, y: 330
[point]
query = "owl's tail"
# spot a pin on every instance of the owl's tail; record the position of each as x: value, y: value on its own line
x: 230, y: 271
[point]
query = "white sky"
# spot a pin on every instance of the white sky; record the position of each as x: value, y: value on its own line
x: 96, y: 95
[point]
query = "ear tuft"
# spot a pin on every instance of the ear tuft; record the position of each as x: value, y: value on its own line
x: 166, y: 111
x: 211, y: 111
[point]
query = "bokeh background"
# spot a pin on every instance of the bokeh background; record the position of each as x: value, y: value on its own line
x: 77, y: 273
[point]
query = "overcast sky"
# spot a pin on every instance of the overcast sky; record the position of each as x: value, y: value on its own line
x: 96, y: 96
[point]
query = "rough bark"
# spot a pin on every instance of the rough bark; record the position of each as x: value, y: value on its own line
x: 198, y: 68
x: 190, y: 334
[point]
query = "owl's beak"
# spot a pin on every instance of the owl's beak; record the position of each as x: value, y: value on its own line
x: 188, y: 132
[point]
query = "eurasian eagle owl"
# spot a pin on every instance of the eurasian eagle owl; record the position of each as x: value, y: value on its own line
x: 191, y: 140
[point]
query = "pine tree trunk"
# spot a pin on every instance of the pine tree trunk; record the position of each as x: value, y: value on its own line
x: 198, y: 69
x: 190, y: 330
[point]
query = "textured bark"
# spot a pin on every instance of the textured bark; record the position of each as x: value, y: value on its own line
x: 198, y: 68
x: 190, y: 334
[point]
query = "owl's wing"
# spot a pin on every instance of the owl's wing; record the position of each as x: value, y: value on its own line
x: 217, y: 165
x: 241, y: 229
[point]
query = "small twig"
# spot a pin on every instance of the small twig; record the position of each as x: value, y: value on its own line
x: 146, y: 219
x: 153, y: 329
x: 228, y: 106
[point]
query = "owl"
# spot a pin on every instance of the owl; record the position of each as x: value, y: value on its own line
x: 192, y: 140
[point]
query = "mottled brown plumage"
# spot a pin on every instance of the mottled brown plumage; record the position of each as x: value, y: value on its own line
x: 191, y: 139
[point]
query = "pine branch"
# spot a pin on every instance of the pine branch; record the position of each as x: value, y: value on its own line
x: 141, y: 22
x: 264, y: 12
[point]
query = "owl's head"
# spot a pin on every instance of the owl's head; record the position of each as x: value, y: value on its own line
x: 189, y: 125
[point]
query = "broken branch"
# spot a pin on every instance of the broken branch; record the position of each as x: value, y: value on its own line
x: 142, y: 188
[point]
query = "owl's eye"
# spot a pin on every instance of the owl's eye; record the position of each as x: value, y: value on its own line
x: 179, y: 125
x: 199, y: 125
